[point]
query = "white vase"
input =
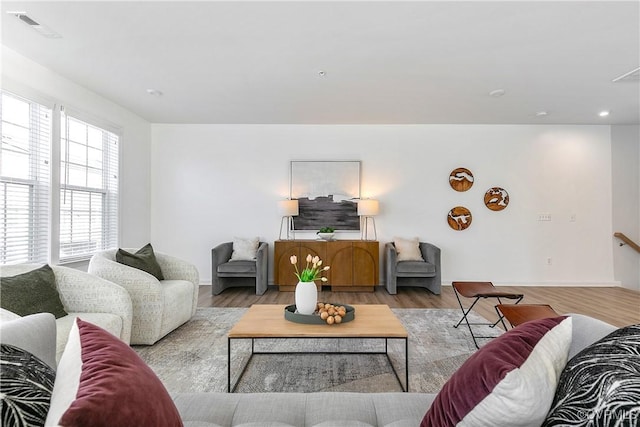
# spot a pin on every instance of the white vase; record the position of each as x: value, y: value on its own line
x: 306, y: 297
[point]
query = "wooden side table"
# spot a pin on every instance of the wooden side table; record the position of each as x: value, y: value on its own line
x: 518, y: 314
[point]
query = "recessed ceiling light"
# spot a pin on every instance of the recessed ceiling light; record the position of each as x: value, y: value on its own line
x: 321, y: 73
x: 603, y: 113
x: 154, y: 92
x: 497, y: 93
x: 542, y: 114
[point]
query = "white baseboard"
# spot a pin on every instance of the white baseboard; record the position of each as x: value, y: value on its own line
x: 543, y: 284
x: 555, y: 284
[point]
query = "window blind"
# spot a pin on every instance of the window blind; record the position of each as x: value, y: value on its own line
x: 88, y: 189
x: 24, y: 180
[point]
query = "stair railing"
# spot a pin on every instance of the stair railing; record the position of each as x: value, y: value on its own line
x: 627, y: 241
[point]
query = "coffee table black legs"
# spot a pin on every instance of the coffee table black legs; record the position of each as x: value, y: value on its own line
x: 244, y: 367
x: 405, y: 387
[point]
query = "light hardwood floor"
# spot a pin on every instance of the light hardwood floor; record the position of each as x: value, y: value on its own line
x: 618, y: 306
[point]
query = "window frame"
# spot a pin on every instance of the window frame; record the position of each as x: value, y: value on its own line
x: 53, y: 247
x: 38, y: 183
x: 105, y: 126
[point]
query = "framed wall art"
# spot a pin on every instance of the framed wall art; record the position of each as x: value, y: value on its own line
x: 327, y: 194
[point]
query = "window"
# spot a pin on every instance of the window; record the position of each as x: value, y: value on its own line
x: 24, y: 180
x: 88, y: 189
x: 55, y: 220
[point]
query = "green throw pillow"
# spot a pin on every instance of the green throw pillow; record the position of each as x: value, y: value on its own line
x: 144, y: 259
x: 32, y: 292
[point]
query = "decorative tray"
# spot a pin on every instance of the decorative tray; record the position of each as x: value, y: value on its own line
x: 315, y: 319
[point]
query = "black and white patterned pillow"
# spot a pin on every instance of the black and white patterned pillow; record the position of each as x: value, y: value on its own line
x: 600, y: 386
x: 26, y: 383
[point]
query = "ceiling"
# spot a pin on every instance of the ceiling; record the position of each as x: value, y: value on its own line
x: 384, y: 62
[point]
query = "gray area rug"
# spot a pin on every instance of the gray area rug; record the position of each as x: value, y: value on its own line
x: 193, y: 358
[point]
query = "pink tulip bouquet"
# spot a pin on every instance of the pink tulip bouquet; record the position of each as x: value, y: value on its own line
x: 312, y: 270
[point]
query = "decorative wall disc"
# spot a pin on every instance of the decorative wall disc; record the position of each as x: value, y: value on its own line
x: 459, y: 218
x: 496, y: 198
x: 461, y: 179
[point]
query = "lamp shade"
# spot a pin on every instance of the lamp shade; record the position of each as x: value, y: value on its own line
x: 288, y: 207
x: 368, y: 207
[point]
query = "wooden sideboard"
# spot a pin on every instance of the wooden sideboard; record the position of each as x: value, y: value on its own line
x: 354, y: 263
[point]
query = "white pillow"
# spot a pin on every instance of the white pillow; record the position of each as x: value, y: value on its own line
x: 35, y: 333
x: 509, y: 382
x: 244, y: 249
x: 408, y: 249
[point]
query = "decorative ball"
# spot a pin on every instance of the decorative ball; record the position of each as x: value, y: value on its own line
x: 331, y: 313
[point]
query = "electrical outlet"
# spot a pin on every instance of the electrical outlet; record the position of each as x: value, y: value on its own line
x: 544, y: 217
x: 549, y: 261
x: 572, y: 218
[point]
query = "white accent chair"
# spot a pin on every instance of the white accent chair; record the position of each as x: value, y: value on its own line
x: 91, y: 298
x: 159, y: 307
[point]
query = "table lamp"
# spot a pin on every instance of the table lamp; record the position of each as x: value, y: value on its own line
x: 367, y: 209
x: 288, y: 209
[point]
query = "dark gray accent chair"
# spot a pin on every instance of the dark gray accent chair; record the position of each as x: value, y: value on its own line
x: 425, y: 274
x: 226, y: 274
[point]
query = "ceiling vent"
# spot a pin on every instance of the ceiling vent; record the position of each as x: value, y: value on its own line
x: 631, y: 76
x: 41, y: 29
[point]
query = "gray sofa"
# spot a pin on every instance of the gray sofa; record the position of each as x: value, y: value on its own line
x: 296, y: 409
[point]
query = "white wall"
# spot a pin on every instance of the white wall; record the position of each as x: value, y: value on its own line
x: 188, y: 187
x: 26, y: 77
x: 213, y: 182
x: 625, y: 143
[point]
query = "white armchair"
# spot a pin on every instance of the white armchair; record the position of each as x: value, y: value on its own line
x: 91, y: 298
x: 159, y: 307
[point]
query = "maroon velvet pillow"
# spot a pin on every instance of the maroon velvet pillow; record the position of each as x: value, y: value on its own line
x: 509, y: 382
x: 115, y: 388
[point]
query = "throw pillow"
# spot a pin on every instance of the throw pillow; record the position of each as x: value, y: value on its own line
x: 408, y: 249
x: 35, y: 333
x: 600, y: 386
x: 144, y: 259
x: 245, y: 249
x: 32, y: 292
x: 509, y: 382
x: 101, y: 381
x: 26, y: 383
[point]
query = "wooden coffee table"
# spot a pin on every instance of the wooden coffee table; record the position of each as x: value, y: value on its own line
x: 267, y: 321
